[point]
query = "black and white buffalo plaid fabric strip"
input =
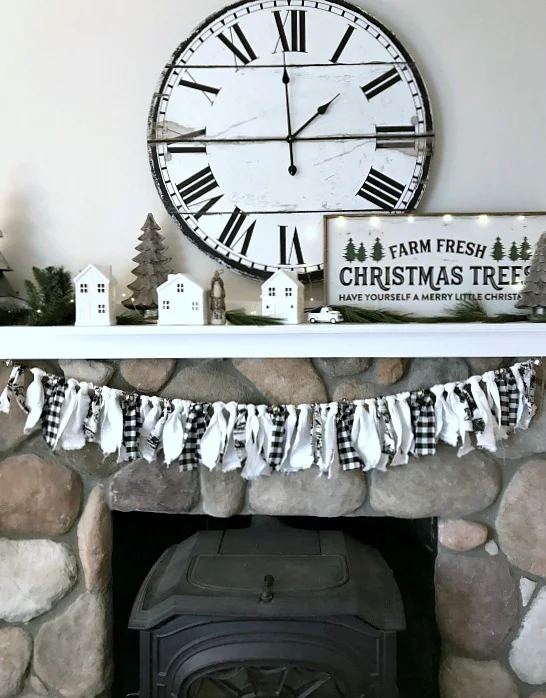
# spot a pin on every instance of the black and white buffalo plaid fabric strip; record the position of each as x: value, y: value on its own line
x: 373, y: 433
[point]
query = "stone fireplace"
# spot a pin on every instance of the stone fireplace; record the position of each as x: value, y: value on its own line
x: 56, y: 529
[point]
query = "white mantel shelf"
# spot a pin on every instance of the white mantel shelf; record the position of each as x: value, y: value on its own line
x: 343, y: 340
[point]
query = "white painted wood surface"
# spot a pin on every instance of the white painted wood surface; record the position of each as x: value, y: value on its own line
x: 127, y: 342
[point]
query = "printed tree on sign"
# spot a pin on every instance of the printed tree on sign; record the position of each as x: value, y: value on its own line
x: 514, y: 252
x: 498, y: 250
x: 377, y: 251
x: 525, y: 250
x: 350, y: 251
x: 361, y: 254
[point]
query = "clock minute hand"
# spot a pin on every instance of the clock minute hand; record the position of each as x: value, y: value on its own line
x: 292, y: 169
x: 320, y: 112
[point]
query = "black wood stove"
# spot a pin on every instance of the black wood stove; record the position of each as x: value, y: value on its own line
x: 268, y: 613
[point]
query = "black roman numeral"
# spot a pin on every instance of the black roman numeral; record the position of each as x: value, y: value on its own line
x: 382, y: 83
x: 289, y: 250
x: 339, y: 50
x: 232, y: 234
x: 394, y: 136
x: 205, y: 208
x: 244, y: 54
x: 381, y: 190
x: 296, y: 20
x: 194, y: 85
x: 196, y: 186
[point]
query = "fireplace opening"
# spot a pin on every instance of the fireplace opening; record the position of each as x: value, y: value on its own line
x: 407, y: 547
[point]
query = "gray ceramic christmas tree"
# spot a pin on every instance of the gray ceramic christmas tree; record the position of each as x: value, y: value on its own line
x: 533, y: 295
x: 5, y: 287
x: 151, y: 270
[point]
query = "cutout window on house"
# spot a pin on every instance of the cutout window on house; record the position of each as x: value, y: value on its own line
x: 180, y: 288
x: 101, y: 288
x: 166, y: 305
x: 195, y: 305
x: 272, y: 291
x: 101, y: 309
x: 83, y: 288
x: 287, y: 292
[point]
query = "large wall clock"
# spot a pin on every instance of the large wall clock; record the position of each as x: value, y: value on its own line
x: 276, y: 112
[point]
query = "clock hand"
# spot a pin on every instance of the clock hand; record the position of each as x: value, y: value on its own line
x: 292, y: 169
x: 320, y: 112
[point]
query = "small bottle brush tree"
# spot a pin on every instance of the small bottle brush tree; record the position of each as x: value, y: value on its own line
x: 533, y: 294
x: 151, y: 270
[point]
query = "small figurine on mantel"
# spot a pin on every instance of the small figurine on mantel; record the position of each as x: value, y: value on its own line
x: 151, y: 270
x: 533, y: 294
x: 217, y: 299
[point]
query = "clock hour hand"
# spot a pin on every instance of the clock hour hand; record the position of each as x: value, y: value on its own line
x: 320, y: 112
x: 292, y: 169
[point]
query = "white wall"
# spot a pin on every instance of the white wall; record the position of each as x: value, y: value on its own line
x: 77, y: 76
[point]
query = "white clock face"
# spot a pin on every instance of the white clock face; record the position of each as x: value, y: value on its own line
x: 275, y: 113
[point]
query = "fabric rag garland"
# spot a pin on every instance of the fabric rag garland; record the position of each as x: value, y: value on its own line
x: 260, y: 439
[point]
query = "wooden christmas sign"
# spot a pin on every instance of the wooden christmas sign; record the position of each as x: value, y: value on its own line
x: 427, y: 264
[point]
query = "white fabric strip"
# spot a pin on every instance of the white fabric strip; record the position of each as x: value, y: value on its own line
x: 290, y: 432
x: 147, y: 451
x: 364, y: 434
x: 399, y: 457
x: 493, y: 399
x: 256, y: 464
x: 214, y: 438
x: 301, y: 456
x: 329, y: 438
x: 485, y: 439
x: 230, y: 457
x: 73, y: 437
x: 174, y: 430
x: 524, y: 416
x: 34, y: 400
x: 111, y: 423
x: 450, y: 431
x: 67, y: 409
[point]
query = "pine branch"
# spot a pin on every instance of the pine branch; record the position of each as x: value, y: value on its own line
x: 50, y: 297
x: 241, y: 317
x: 367, y: 315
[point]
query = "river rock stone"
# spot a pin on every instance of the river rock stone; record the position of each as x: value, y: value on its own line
x: 37, y: 496
x: 528, y: 653
x: 143, y: 486
x: 491, y: 548
x: 71, y: 652
x: 465, y: 678
x: 205, y: 384
x: 341, y: 368
x: 439, y: 485
x: 37, y: 685
x: 356, y: 389
x: 284, y: 381
x: 476, y: 602
x: 89, y: 461
x: 425, y: 373
x: 389, y: 371
x: 34, y: 576
x: 96, y: 372
x: 521, y: 521
x: 462, y: 535
x: 526, y: 589
x: 95, y: 540
x: 11, y: 424
x: 480, y: 364
x: 147, y: 375
x: 540, y: 694
x: 222, y: 494
x: 15, y: 651
x: 306, y: 494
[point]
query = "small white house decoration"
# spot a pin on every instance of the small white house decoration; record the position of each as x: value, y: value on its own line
x: 94, y: 296
x: 282, y: 297
x: 181, y: 301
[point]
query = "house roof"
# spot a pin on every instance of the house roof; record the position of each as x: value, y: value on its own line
x: 176, y: 278
x: 283, y: 276
x: 103, y: 271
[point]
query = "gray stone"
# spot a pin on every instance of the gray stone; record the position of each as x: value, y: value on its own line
x: 72, y: 653
x: 37, y: 685
x: 205, y: 384
x: 89, y: 460
x: 37, y: 496
x: 306, y: 494
x: 528, y: 653
x: 389, y: 370
x: 540, y: 694
x: 427, y: 372
x: 480, y: 364
x: 341, y: 368
x: 526, y: 589
x: 15, y: 651
x: 147, y: 375
x: 34, y: 576
x: 95, y: 540
x: 465, y: 678
x: 462, y: 535
x: 357, y: 389
x: 284, y: 381
x: 96, y: 372
x: 143, y: 486
x: 521, y: 521
x: 439, y: 485
x: 524, y: 443
x: 223, y: 494
x: 476, y: 602
x: 12, y: 424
